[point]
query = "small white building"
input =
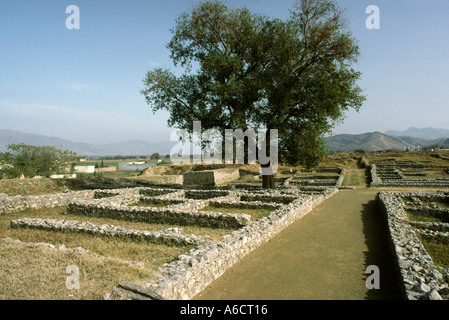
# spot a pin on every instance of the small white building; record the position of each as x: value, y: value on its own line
x: 132, y: 166
x: 84, y: 169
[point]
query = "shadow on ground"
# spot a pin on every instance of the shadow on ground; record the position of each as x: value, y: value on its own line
x: 379, y: 253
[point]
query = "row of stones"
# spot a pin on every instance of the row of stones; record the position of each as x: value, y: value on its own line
x: 63, y: 247
x: 420, y: 278
x: 171, y: 236
x: 435, y: 226
x: 428, y: 211
x: 159, y: 215
x: 441, y: 237
x: 310, y: 182
x: 191, y: 273
x: 10, y: 204
x: 112, y: 204
x: 219, y: 202
x: 377, y: 181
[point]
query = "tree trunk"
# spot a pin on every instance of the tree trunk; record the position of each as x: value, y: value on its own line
x: 267, y: 180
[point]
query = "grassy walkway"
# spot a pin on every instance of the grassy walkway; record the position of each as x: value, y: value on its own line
x: 322, y: 256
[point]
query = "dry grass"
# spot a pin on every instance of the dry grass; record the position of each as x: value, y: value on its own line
x: 152, y: 255
x: 438, y: 251
x: 58, y: 213
x: 27, y: 187
x: 443, y: 205
x: 421, y: 217
x: 431, y: 174
x: 355, y: 178
x: 29, y: 272
x: 427, y: 158
x: 37, y: 273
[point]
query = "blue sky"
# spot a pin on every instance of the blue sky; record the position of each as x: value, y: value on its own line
x: 83, y: 85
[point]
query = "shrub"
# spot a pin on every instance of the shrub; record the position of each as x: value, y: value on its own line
x: 29, y: 161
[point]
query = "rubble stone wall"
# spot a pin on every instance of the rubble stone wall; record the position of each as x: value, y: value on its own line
x: 420, y: 278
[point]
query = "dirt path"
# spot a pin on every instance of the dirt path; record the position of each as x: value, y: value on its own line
x: 322, y: 256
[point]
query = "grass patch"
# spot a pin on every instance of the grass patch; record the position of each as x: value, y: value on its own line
x: 430, y: 174
x: 254, y: 213
x: 422, y: 217
x: 37, y: 273
x: 31, y: 187
x: 443, y: 205
x: 58, y: 213
x: 438, y: 251
x: 355, y: 177
x: 152, y: 255
x: 28, y: 272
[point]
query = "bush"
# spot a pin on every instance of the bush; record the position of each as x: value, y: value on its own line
x: 30, y: 161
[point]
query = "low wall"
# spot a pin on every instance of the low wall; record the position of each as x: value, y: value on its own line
x: 191, y: 273
x: 169, y: 179
x: 133, y: 167
x: 210, y: 178
x: 172, y: 236
x: 18, y: 203
x: 377, y: 181
x: 84, y: 169
x: 106, y: 169
x: 419, y: 277
x: 159, y: 215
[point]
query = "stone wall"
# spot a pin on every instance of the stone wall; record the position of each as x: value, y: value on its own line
x: 134, y: 166
x: 420, y: 278
x: 84, y: 169
x: 309, y: 182
x: 106, y: 169
x: 17, y: 203
x: 159, y: 215
x: 382, y: 176
x: 171, y: 236
x: 183, y: 207
x: 193, y: 272
x: 210, y: 178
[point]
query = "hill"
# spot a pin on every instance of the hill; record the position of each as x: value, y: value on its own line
x: 377, y: 141
x: 372, y: 141
x: 130, y: 147
x: 423, y: 133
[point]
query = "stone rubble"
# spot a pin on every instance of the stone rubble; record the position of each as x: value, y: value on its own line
x: 79, y: 250
x: 392, y: 176
x: 193, y: 272
x: 420, y: 278
x: 171, y: 236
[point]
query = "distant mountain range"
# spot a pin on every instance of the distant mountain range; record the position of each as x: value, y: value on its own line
x: 373, y: 141
x: 423, y: 133
x: 129, y: 147
x: 376, y: 141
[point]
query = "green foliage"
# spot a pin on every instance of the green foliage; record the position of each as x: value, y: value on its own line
x: 29, y: 161
x: 245, y: 70
x: 155, y: 156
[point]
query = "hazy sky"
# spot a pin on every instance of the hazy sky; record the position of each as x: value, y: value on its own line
x: 83, y: 85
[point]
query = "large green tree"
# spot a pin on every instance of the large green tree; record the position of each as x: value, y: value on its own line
x: 249, y: 71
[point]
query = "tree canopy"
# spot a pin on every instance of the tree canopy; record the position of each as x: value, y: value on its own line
x: 245, y: 70
x: 30, y: 161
